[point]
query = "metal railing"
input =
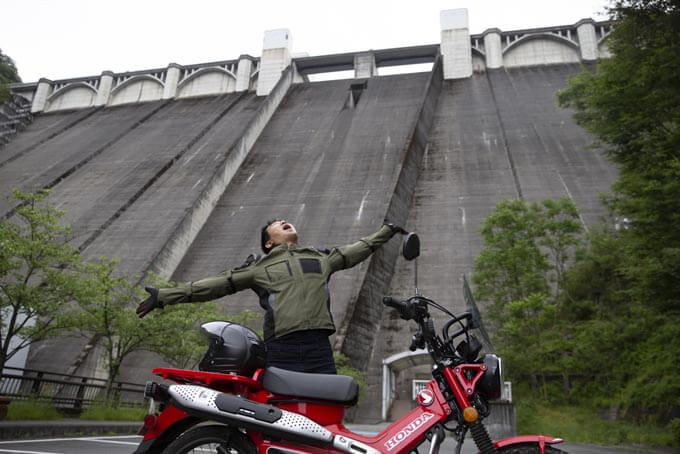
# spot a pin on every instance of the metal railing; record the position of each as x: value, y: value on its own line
x: 66, y: 391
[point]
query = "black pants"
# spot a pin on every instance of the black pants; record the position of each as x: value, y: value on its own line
x: 303, y: 351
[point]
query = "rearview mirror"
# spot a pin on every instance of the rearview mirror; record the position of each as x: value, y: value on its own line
x: 411, y: 247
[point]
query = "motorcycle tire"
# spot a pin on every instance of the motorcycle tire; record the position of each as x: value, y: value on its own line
x: 217, y: 439
x: 529, y: 448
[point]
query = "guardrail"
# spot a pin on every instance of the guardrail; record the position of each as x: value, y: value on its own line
x: 66, y: 391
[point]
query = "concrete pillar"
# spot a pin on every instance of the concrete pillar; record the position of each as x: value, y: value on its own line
x: 41, y: 94
x: 171, y: 81
x: 455, y: 46
x: 364, y: 65
x: 587, y: 39
x: 105, y: 84
x: 492, y: 48
x: 275, y: 58
x: 245, y: 68
x: 298, y: 78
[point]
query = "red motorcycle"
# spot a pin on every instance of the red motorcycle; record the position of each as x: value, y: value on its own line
x: 275, y: 411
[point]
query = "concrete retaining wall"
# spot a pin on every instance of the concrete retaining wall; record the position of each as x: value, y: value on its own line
x: 502, y: 422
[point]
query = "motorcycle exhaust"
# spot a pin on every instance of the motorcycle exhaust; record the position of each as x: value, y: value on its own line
x: 237, y: 411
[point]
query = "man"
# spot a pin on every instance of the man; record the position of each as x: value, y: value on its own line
x: 292, y: 284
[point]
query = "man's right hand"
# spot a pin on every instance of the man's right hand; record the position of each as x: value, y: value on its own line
x: 395, y: 228
x: 150, y: 303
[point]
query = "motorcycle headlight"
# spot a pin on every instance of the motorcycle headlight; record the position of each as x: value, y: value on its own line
x: 491, y: 383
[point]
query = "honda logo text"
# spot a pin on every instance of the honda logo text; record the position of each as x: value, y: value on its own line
x: 406, y: 432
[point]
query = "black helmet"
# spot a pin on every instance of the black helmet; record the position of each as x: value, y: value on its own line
x: 233, y: 348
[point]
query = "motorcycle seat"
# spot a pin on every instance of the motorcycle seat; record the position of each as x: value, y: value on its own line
x: 326, y: 387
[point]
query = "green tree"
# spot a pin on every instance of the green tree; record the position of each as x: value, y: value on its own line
x: 631, y: 103
x: 596, y: 284
x: 525, y: 244
x: 38, y: 274
x: 8, y: 75
x: 561, y: 230
x: 521, y: 271
x: 511, y: 266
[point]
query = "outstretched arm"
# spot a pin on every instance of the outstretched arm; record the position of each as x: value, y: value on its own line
x: 207, y: 289
x: 347, y: 256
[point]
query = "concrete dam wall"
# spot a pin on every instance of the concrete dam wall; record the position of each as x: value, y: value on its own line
x: 182, y: 184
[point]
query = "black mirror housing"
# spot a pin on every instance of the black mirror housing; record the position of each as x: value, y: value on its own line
x: 411, y: 247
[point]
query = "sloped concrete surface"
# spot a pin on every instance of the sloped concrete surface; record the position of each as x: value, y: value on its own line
x: 43, y: 128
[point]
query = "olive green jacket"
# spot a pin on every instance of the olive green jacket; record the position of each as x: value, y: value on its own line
x: 291, y: 281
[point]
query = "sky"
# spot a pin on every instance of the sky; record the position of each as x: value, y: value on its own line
x: 60, y: 39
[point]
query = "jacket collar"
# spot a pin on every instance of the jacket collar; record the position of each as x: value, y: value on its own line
x: 284, y: 247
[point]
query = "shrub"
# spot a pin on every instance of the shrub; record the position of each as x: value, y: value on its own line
x: 674, y: 428
x: 343, y: 367
x: 31, y: 409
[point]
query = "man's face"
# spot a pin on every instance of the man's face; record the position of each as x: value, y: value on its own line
x: 281, y: 232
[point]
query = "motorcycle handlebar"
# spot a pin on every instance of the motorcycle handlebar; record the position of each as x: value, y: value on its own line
x: 403, y: 307
x: 409, y: 310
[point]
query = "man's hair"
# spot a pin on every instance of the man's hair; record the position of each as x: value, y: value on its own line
x: 264, y: 236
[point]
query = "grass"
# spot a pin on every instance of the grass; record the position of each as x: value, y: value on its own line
x: 35, y: 410
x: 102, y: 412
x: 31, y: 410
x: 582, y: 425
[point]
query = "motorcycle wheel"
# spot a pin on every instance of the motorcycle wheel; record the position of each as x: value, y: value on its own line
x: 211, y: 439
x: 529, y: 448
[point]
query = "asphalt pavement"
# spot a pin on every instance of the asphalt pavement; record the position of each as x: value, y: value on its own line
x: 126, y: 444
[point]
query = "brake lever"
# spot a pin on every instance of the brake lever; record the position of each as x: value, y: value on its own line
x: 414, y: 344
x: 417, y: 341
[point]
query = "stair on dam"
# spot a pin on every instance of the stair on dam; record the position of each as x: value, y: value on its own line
x: 495, y: 135
x: 15, y: 115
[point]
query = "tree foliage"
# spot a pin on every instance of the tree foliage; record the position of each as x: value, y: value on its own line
x: 39, y: 274
x: 631, y: 103
x: 47, y: 290
x: 526, y: 248
x: 521, y: 271
x: 8, y: 75
x: 593, y: 342
x: 607, y: 331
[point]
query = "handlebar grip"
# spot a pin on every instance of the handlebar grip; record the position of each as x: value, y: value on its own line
x: 389, y: 301
x: 404, y: 308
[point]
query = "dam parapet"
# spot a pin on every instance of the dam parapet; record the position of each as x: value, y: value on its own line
x: 462, y: 54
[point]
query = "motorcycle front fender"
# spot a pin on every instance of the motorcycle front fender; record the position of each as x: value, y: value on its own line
x: 540, y: 440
